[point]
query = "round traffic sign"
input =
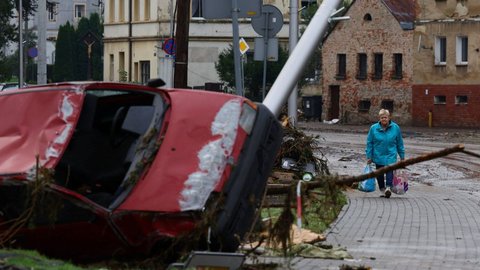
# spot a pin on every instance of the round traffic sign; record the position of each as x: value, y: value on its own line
x: 269, y: 23
x: 169, y: 46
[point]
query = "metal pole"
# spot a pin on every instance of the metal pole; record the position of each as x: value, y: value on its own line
x: 292, y: 100
x: 236, y: 48
x: 265, y: 50
x: 20, y: 44
x: 291, y: 71
x: 42, y: 42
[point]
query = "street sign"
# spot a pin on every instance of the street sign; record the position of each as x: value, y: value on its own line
x: 271, y: 50
x: 33, y: 52
x: 169, y: 46
x: 222, y: 9
x: 269, y: 23
x: 243, y: 46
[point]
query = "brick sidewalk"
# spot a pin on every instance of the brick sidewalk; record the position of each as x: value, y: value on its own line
x: 428, y: 228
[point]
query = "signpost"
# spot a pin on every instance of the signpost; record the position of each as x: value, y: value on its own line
x: 169, y: 46
x: 234, y: 9
x: 267, y: 25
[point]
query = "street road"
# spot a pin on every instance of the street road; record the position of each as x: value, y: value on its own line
x: 345, y: 152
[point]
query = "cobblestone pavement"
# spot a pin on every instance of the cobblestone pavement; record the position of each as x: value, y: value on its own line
x: 428, y: 228
x: 431, y: 227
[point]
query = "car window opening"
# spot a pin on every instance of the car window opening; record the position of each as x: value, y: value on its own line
x: 104, y: 143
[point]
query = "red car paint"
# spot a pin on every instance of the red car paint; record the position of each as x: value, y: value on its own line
x: 115, y: 200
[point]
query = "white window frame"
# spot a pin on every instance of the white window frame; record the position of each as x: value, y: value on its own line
x: 199, y: 6
x: 52, y: 12
x: 75, y: 11
x: 440, y: 99
x: 440, y: 51
x: 461, y: 99
x: 462, y: 50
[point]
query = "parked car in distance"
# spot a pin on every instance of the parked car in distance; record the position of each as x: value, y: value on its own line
x: 5, y: 86
x: 8, y: 86
x: 96, y: 170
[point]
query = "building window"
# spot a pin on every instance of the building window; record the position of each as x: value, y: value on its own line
x: 387, y: 104
x: 112, y: 69
x: 362, y: 66
x: 197, y: 9
x: 378, y: 58
x: 121, y: 11
x: 135, y: 71
x: 364, y: 105
x: 397, y: 66
x: 462, y: 50
x: 147, y: 10
x: 52, y: 11
x: 121, y: 62
x: 440, y: 51
x: 367, y: 17
x: 439, y: 100
x: 145, y: 71
x: 341, y: 66
x: 111, y: 11
x: 136, y: 10
x: 80, y: 11
x: 461, y: 99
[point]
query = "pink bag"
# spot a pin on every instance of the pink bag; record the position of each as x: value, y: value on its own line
x: 400, y: 182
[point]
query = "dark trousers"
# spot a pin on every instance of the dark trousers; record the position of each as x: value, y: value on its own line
x: 381, y: 178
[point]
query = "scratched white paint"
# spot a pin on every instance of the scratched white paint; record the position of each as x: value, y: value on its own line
x: 213, y: 158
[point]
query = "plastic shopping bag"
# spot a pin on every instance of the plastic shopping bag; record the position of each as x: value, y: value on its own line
x: 400, y: 182
x: 369, y: 184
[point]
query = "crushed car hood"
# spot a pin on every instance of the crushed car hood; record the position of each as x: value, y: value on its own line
x: 35, y: 124
x: 192, y: 156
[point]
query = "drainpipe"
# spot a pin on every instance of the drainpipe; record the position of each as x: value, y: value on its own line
x: 430, y: 119
x: 130, y: 57
x: 20, y: 44
x: 292, y: 70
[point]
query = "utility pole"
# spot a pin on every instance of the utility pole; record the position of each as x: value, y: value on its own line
x: 42, y: 42
x: 130, y: 41
x: 292, y: 100
x: 181, y: 40
x: 20, y: 44
x: 236, y: 49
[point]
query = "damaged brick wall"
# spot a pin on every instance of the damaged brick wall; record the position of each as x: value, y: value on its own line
x: 449, y: 89
x: 450, y: 105
x: 372, y: 29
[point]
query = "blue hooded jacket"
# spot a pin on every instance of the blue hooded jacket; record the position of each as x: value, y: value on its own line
x: 384, y: 145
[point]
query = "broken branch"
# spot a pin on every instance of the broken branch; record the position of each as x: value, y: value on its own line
x: 401, y: 164
x: 347, y: 180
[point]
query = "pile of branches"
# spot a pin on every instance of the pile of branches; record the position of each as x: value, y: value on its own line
x: 302, y: 148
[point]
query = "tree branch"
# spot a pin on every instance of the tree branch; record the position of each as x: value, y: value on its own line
x: 347, y: 180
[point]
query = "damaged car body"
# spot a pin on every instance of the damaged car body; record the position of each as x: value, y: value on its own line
x: 94, y: 170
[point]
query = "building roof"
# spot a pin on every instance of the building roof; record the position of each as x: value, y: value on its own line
x: 403, y: 11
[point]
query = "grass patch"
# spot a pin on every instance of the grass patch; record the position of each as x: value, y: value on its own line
x: 319, y: 209
x: 28, y: 259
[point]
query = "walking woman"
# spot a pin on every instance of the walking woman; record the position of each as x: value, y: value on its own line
x: 384, y: 143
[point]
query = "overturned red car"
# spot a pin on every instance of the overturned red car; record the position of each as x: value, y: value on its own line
x: 94, y: 169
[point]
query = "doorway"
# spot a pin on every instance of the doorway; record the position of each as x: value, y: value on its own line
x: 334, y: 112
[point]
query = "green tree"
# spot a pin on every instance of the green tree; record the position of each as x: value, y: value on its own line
x: 65, y: 52
x: 96, y: 26
x: 82, y: 56
x: 9, y: 33
x: 7, y: 30
x: 71, y: 43
x: 253, y: 72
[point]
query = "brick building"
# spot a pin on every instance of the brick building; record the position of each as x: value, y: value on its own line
x: 446, y: 70
x: 420, y: 59
x: 368, y: 63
